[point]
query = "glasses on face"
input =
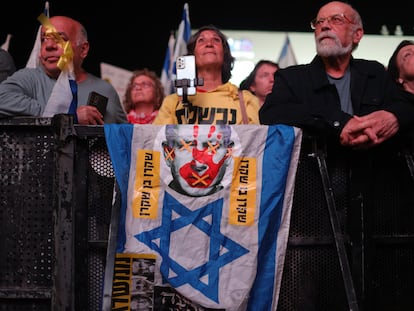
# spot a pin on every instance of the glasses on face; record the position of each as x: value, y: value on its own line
x: 336, y: 19
x: 142, y: 85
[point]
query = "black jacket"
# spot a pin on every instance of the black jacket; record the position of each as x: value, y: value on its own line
x: 302, y: 96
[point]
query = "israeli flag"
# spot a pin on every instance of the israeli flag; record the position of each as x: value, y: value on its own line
x: 222, y: 249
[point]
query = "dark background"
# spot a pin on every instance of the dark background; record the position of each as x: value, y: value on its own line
x: 134, y: 34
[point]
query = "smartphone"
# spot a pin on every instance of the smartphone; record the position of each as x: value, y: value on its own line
x: 186, y: 70
x: 99, y: 101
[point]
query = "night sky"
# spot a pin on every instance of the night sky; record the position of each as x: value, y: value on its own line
x: 134, y: 34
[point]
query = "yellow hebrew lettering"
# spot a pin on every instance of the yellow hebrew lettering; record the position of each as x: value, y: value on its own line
x: 147, y: 184
x: 243, y: 192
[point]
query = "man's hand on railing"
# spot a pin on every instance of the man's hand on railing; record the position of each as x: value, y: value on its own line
x: 369, y: 130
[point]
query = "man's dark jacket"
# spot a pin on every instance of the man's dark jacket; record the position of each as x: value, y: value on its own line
x: 302, y: 96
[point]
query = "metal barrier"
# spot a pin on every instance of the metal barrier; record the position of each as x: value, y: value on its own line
x: 56, y: 200
x: 372, y: 192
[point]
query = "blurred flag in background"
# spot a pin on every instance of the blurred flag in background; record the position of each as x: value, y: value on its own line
x: 177, y: 46
x: 166, y: 73
x: 287, y: 57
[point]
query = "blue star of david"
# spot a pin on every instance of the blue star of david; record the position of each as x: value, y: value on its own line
x: 217, y: 240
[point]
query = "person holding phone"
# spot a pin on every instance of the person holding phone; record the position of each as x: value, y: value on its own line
x: 27, y: 91
x: 217, y: 101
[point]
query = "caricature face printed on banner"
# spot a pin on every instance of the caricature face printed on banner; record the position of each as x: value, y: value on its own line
x: 198, y: 157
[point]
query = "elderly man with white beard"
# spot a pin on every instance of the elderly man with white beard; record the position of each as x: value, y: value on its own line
x: 350, y: 100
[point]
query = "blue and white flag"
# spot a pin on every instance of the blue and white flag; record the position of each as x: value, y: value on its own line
x: 183, y: 34
x: 287, y: 56
x: 179, y: 49
x: 166, y: 74
x: 205, y: 214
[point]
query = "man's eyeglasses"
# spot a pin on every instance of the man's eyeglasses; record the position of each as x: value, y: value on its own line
x: 142, y: 85
x: 337, y: 19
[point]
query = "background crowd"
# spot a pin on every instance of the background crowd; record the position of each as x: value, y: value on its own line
x: 147, y: 48
x: 144, y: 102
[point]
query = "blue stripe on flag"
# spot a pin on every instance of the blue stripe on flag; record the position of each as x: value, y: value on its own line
x: 74, y: 103
x: 118, y: 141
x: 187, y: 24
x: 276, y: 161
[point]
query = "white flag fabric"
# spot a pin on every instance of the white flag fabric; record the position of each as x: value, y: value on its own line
x: 287, y: 56
x: 61, y: 98
x: 180, y: 48
x: 33, y: 60
x: 214, y: 236
x: 166, y: 74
